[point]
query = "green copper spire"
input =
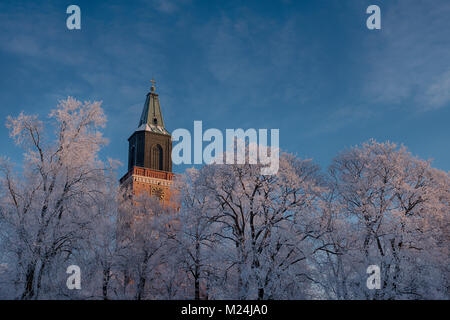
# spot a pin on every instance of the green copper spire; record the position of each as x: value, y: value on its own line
x: 151, y: 118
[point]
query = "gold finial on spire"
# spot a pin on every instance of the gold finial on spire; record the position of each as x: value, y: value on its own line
x: 152, y: 88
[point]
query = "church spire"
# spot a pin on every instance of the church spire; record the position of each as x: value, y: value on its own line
x: 151, y: 118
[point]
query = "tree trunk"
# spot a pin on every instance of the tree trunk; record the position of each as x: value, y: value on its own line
x: 29, y: 282
x: 106, y: 277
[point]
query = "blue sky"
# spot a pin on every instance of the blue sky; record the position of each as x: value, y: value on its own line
x: 310, y: 68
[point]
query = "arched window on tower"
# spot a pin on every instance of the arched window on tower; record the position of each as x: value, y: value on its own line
x: 157, y: 157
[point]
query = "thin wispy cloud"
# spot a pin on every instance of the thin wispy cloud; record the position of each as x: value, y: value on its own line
x: 341, y: 118
x: 411, y: 63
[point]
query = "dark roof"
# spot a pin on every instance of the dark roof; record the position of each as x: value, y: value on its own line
x: 151, y: 118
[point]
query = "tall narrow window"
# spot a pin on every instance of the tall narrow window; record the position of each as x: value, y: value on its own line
x: 157, y: 157
x: 132, y: 157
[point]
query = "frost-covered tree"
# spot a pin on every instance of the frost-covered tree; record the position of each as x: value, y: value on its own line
x: 392, y: 210
x: 146, y: 230
x: 196, y: 240
x: 47, y: 209
x: 267, y: 227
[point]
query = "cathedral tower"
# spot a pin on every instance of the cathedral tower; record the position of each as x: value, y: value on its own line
x: 149, y: 153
